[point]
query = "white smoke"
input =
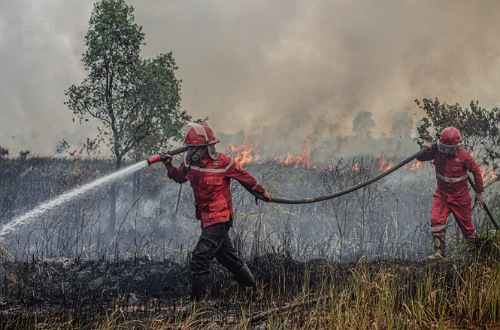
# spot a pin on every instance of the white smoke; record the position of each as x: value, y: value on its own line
x: 275, y: 70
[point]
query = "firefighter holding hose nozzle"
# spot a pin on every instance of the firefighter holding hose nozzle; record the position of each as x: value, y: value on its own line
x: 209, y: 173
x: 452, y: 165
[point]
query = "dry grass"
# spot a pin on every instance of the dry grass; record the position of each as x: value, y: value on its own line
x: 459, y: 294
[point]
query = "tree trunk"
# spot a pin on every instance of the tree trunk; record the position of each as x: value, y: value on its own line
x: 112, y: 208
x: 112, y: 200
x: 136, y: 181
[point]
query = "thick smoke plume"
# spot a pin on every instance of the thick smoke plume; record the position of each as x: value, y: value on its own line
x: 281, y: 72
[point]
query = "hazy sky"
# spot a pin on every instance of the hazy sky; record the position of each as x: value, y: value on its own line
x: 275, y: 68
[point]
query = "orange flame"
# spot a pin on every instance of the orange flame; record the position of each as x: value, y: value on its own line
x: 77, y: 150
x: 383, y: 164
x: 243, y: 154
x: 489, y: 174
x: 246, y: 154
x: 415, y: 166
x: 302, y: 160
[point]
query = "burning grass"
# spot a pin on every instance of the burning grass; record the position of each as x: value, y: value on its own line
x: 317, y: 294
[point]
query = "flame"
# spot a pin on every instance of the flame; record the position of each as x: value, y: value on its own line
x: 384, y: 165
x: 77, y: 150
x: 247, y: 153
x: 415, y: 166
x: 244, y: 154
x: 302, y: 160
x: 489, y: 174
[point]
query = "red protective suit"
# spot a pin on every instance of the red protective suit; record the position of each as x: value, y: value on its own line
x: 452, y: 193
x: 211, y: 186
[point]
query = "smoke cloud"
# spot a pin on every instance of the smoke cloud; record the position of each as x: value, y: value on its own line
x: 280, y: 71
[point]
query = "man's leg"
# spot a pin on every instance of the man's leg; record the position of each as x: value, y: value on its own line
x: 209, y: 243
x: 228, y: 257
x: 463, y: 216
x: 440, y: 212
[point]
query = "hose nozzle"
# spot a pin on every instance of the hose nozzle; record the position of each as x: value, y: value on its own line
x: 154, y: 159
x: 163, y: 156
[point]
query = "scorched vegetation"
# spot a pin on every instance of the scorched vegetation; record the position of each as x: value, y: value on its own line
x: 354, y: 262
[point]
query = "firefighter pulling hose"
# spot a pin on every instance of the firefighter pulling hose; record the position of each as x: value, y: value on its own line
x: 452, y: 196
x: 209, y: 174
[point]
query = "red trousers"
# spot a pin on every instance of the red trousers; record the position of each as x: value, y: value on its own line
x: 460, y: 208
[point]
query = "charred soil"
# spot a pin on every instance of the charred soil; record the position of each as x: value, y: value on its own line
x: 89, y: 291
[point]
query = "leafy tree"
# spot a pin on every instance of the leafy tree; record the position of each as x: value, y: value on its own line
x: 401, y: 124
x: 23, y: 154
x: 135, y: 101
x: 363, y: 124
x: 480, y: 129
x: 4, y: 152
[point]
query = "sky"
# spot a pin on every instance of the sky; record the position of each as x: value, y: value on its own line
x: 276, y: 70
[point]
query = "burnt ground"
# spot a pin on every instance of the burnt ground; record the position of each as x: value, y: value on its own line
x: 96, y: 286
x: 88, y: 291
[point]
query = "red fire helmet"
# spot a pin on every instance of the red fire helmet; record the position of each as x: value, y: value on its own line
x: 198, y: 135
x: 449, y: 140
x: 450, y: 136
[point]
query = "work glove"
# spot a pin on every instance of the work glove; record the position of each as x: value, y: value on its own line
x: 166, y: 158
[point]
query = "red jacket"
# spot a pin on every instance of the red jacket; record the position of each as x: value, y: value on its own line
x: 211, y: 186
x: 451, y: 173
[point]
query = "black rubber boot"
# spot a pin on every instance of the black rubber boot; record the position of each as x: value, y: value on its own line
x: 199, y: 287
x: 198, y: 294
x: 247, y: 282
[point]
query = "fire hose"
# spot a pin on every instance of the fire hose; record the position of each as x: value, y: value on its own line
x: 361, y: 185
x: 339, y: 193
x: 260, y: 196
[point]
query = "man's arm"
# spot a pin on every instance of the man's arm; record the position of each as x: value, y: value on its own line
x: 237, y: 172
x: 472, y: 167
x: 174, y: 173
x: 430, y: 152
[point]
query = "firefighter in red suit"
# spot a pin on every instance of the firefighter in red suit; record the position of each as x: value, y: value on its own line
x: 452, y: 165
x: 209, y: 174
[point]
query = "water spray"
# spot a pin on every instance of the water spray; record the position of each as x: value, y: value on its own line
x: 70, y: 195
x: 77, y: 192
